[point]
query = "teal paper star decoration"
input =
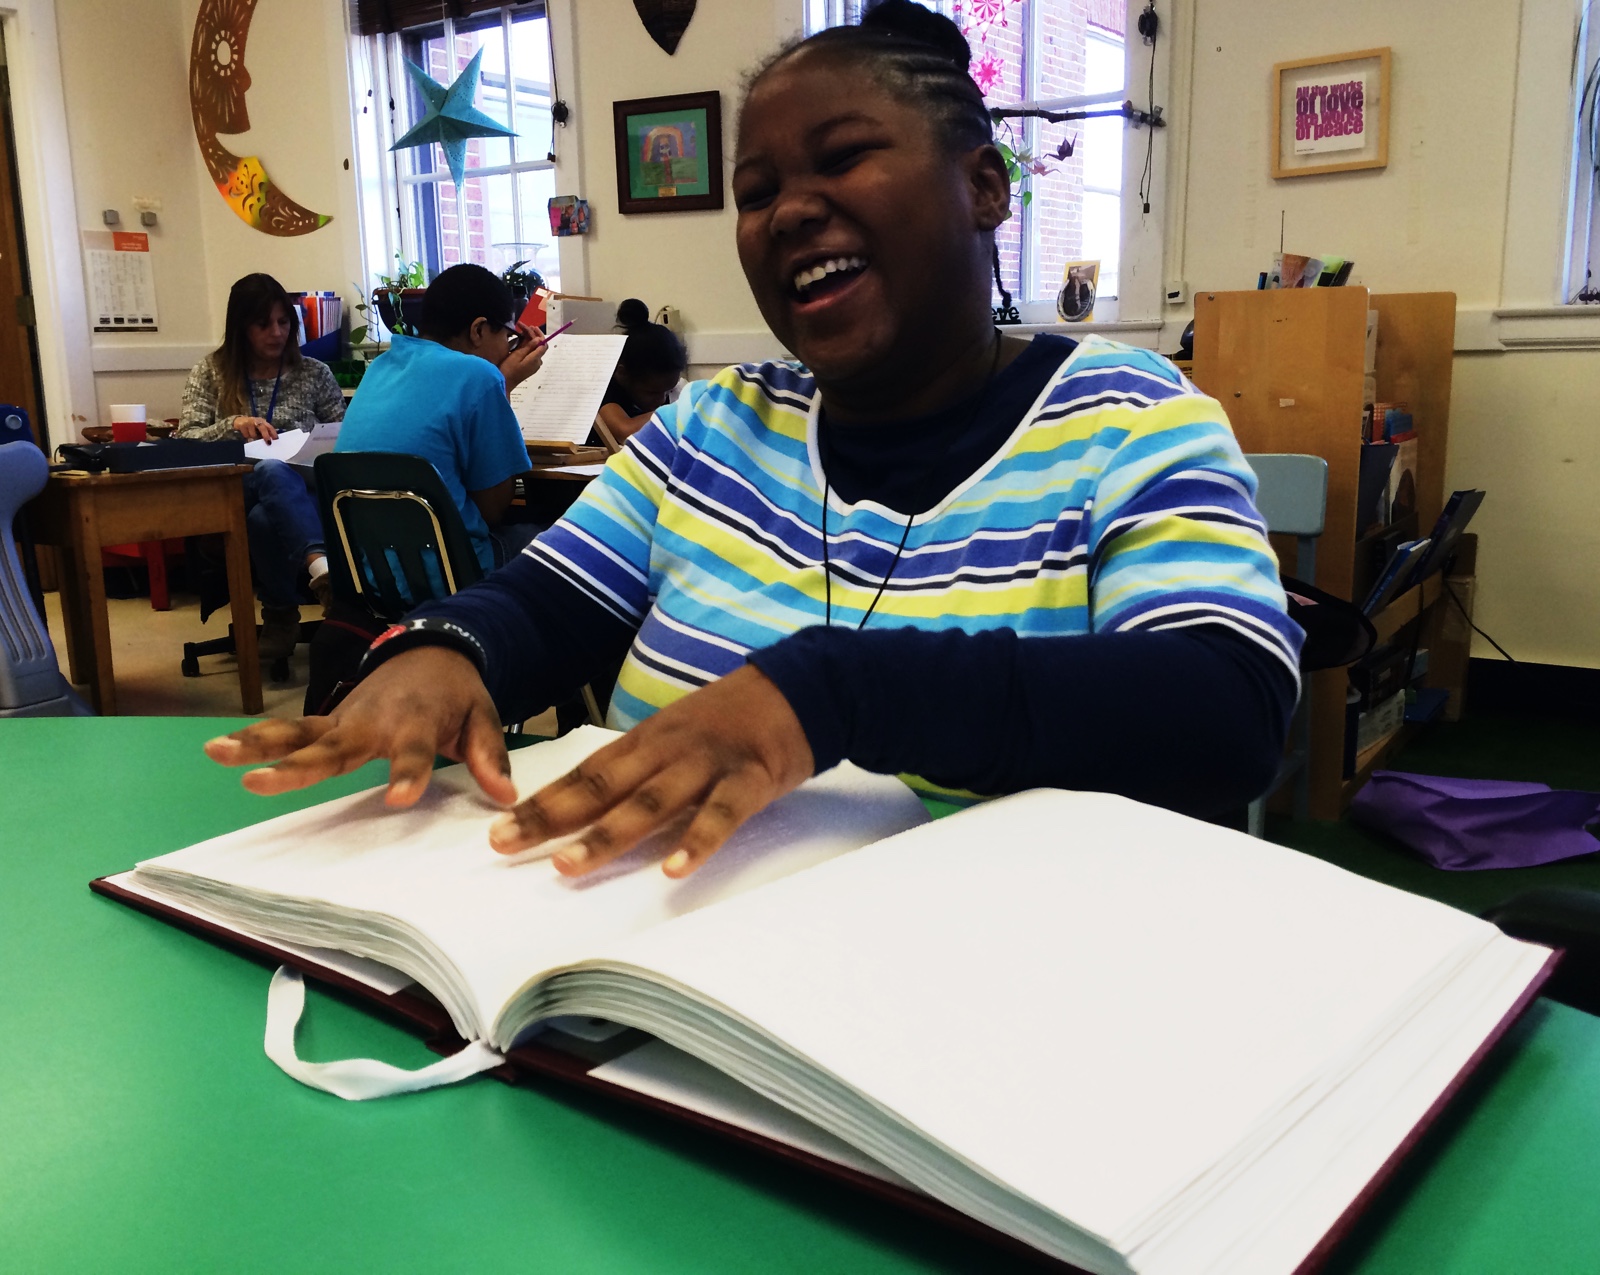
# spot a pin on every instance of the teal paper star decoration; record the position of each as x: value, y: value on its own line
x: 451, y: 117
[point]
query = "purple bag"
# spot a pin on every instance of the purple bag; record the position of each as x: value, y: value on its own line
x: 1467, y: 824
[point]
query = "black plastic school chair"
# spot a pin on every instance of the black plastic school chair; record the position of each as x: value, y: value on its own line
x: 395, y: 540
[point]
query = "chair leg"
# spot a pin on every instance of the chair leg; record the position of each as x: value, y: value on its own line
x: 596, y: 717
x: 1255, y: 817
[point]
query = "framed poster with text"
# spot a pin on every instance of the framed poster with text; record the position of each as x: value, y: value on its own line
x: 1331, y: 114
x: 669, y: 153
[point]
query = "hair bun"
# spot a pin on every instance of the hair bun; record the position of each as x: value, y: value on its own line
x: 633, y: 313
x: 910, y: 21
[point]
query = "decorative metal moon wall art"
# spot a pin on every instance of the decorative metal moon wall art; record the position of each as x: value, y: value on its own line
x: 218, y: 82
x: 665, y: 20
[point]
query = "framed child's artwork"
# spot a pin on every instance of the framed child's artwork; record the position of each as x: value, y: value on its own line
x: 669, y: 153
x: 1331, y: 114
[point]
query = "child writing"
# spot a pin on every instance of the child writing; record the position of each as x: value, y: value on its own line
x: 648, y: 370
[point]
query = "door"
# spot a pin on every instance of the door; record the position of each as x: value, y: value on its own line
x: 19, y: 356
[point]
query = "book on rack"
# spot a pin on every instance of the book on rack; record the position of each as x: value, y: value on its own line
x: 556, y: 406
x: 1131, y: 1040
x: 1396, y: 576
x: 1447, y: 532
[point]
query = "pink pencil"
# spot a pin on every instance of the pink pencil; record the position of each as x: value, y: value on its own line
x: 557, y: 332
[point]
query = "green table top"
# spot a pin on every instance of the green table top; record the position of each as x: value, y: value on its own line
x: 143, y: 1129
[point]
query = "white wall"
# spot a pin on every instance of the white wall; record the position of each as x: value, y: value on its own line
x: 138, y: 140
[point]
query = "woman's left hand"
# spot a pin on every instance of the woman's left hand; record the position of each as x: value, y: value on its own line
x: 724, y: 751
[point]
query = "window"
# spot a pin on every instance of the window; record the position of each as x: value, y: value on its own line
x: 1583, y: 254
x: 1060, y: 55
x: 409, y: 204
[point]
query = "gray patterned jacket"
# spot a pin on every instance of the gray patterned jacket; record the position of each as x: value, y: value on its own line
x: 308, y: 394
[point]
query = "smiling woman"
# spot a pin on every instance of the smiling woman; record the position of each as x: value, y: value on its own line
x: 979, y: 563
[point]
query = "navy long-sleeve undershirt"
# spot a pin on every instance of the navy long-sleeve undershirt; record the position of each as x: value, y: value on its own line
x: 1193, y: 718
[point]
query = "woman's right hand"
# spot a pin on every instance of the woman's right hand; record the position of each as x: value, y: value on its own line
x: 252, y: 428
x: 418, y: 704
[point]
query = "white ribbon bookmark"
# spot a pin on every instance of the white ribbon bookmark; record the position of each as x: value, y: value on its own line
x: 356, y: 1078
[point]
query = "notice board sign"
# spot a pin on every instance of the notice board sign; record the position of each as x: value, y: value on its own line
x: 122, y: 286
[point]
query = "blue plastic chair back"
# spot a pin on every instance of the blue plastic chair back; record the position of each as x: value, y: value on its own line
x: 31, y: 684
x: 1292, y: 495
x: 14, y: 427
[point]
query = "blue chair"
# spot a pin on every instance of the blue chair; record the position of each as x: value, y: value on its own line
x: 31, y: 684
x: 1292, y: 497
x: 14, y: 427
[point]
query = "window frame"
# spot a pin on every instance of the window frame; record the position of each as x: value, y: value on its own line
x: 1581, y: 246
x: 1141, y: 300
x: 378, y: 65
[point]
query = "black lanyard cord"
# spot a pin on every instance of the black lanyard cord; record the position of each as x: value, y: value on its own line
x: 905, y: 534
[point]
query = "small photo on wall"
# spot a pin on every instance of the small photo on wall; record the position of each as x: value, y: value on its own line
x: 569, y: 215
x: 1079, y: 282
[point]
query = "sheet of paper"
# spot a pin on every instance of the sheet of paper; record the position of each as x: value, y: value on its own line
x: 374, y: 975
x: 122, y: 285
x: 285, y: 447
x: 296, y: 446
x: 323, y: 435
x: 559, y: 402
x: 659, y: 1070
x: 504, y: 919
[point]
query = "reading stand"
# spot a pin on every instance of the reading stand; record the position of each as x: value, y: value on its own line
x: 145, y: 1130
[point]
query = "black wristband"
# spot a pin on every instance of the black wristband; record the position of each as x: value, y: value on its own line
x: 425, y: 631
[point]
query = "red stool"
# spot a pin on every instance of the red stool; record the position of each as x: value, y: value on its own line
x: 152, y: 555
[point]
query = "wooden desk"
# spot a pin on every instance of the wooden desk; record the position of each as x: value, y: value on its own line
x: 79, y: 513
x: 143, y: 1129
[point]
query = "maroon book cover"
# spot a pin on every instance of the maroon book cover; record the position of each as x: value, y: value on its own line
x: 567, y: 1059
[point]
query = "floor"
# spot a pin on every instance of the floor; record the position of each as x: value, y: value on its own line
x: 1562, y: 751
x: 147, y: 653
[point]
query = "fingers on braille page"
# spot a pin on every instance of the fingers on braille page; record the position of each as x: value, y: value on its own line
x: 655, y: 804
x: 734, y: 800
x: 265, y: 741
x: 410, y: 765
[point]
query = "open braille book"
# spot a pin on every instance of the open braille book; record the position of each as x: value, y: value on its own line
x: 1128, y: 1039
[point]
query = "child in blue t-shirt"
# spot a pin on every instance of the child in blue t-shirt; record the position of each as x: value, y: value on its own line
x: 443, y: 397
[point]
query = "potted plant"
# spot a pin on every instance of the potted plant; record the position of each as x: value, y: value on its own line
x: 523, y: 283
x: 389, y: 298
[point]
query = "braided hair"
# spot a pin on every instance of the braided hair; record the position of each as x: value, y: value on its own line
x: 917, y: 56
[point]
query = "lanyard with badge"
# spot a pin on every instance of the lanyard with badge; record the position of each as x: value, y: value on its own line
x: 272, y: 406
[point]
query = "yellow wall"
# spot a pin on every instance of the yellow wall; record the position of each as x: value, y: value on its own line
x: 1436, y: 218
x: 681, y: 259
x: 1523, y: 427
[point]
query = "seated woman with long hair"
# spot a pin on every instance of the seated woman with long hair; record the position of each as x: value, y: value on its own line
x: 983, y: 563
x: 253, y: 385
